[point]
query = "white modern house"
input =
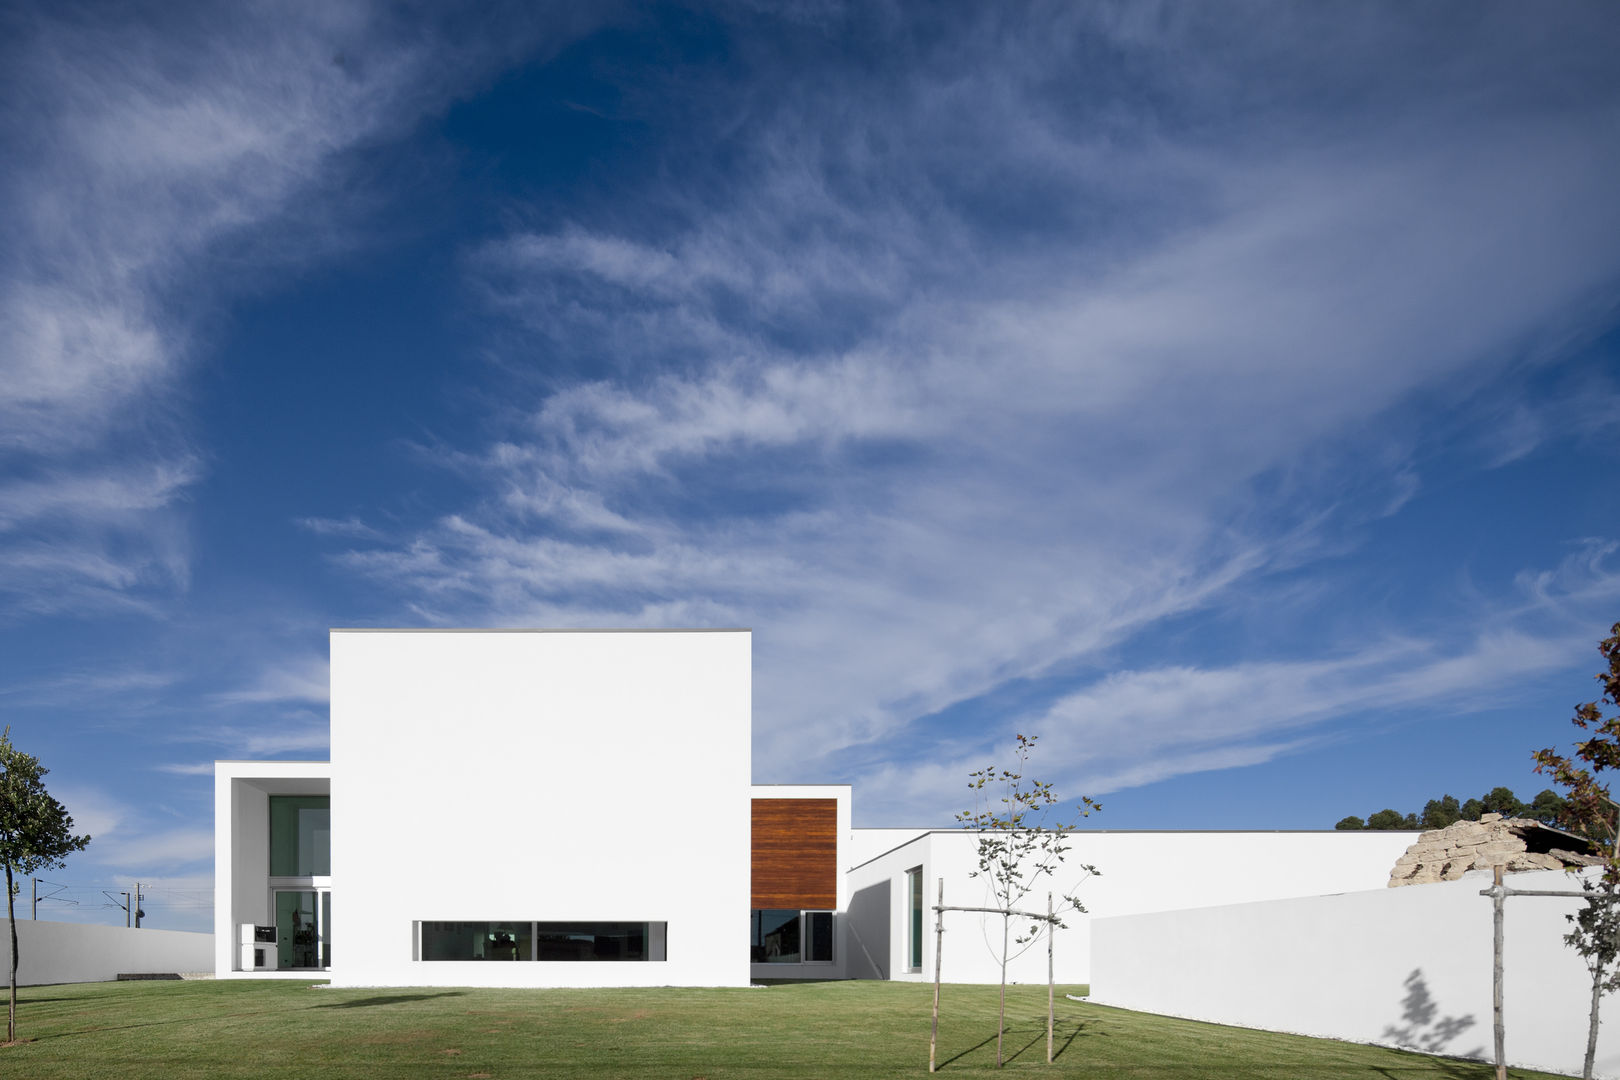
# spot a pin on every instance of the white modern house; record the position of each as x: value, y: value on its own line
x: 574, y: 808
x: 575, y: 804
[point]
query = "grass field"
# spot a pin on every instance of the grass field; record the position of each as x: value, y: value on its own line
x: 170, y: 1030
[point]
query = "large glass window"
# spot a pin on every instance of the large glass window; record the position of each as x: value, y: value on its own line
x: 775, y: 937
x: 300, y: 836
x: 779, y: 936
x: 303, y: 928
x: 591, y: 941
x: 477, y: 941
x: 572, y: 941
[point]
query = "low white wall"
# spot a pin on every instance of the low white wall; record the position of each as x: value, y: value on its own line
x: 1404, y: 967
x: 57, y: 952
x: 1140, y: 872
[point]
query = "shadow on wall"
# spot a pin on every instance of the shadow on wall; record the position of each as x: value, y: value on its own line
x: 868, y: 920
x: 1423, y: 1028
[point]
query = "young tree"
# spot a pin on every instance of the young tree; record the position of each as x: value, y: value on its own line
x: 36, y: 833
x: 1020, y: 842
x: 1589, y: 807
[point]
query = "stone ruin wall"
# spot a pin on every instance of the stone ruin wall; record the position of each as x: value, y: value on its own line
x: 1447, y: 854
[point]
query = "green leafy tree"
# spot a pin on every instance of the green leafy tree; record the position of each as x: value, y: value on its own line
x: 1502, y: 801
x: 1438, y: 813
x: 1392, y: 819
x: 1472, y: 809
x: 1549, y: 809
x: 1021, y: 841
x: 36, y: 833
x: 1350, y: 824
x: 1589, y: 806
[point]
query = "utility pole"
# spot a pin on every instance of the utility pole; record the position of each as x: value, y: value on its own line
x: 138, y: 911
x: 35, y: 906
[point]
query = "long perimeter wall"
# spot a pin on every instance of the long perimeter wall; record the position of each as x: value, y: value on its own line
x: 1404, y: 967
x: 58, y: 952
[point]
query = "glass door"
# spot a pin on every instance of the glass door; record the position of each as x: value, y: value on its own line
x: 303, y: 928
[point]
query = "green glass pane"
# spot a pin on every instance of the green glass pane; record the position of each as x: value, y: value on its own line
x: 300, y: 836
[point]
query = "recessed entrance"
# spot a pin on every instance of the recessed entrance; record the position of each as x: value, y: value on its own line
x: 303, y: 929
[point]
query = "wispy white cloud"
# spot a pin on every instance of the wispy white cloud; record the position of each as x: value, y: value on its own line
x: 156, y: 851
x: 305, y: 680
x: 192, y: 768
x: 923, y: 462
x: 145, y: 146
x: 351, y: 528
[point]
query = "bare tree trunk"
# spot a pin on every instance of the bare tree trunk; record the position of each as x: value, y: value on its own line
x: 11, y: 920
x: 1497, y: 1024
x: 1051, y: 930
x: 939, y: 954
x: 1001, y: 1023
x: 1592, y: 1026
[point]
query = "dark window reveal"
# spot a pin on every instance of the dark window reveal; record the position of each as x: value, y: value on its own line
x: 553, y: 941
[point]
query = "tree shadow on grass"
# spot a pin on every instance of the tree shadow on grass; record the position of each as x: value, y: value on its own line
x: 1060, y: 1042
x: 964, y: 1053
x: 1040, y: 1036
x: 390, y: 999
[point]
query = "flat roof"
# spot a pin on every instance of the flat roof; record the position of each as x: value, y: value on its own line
x: 540, y: 630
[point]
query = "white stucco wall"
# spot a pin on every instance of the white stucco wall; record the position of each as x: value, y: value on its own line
x: 55, y: 952
x: 1403, y: 967
x: 1140, y: 872
x: 536, y: 775
x: 867, y: 844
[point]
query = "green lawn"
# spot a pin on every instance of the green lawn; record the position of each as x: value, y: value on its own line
x: 131, y: 1031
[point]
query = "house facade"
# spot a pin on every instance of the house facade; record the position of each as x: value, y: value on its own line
x: 575, y: 808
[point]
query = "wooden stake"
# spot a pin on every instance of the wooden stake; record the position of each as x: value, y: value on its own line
x: 939, y: 945
x: 1497, y: 902
x: 1051, y: 932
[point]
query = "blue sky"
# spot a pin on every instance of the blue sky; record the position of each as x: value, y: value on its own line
x: 1228, y: 394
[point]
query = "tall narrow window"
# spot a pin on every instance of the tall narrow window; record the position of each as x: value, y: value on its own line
x: 818, y: 937
x: 914, y: 888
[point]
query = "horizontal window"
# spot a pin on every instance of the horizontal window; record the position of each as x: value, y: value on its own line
x: 555, y: 941
x: 477, y: 941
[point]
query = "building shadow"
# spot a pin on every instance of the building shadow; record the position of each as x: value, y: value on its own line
x: 868, y: 920
x: 390, y: 999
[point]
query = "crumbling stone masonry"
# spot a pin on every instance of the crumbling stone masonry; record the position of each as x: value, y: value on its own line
x: 1515, y: 843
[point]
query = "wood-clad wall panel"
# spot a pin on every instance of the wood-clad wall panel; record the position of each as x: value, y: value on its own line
x: 795, y: 853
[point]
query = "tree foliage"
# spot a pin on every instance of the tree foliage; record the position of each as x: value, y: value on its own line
x: 36, y: 833
x: 1022, y: 839
x: 1547, y: 807
x: 1588, y: 806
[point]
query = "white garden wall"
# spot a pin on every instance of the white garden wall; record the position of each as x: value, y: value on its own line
x: 1140, y: 872
x: 57, y: 952
x: 1401, y: 967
